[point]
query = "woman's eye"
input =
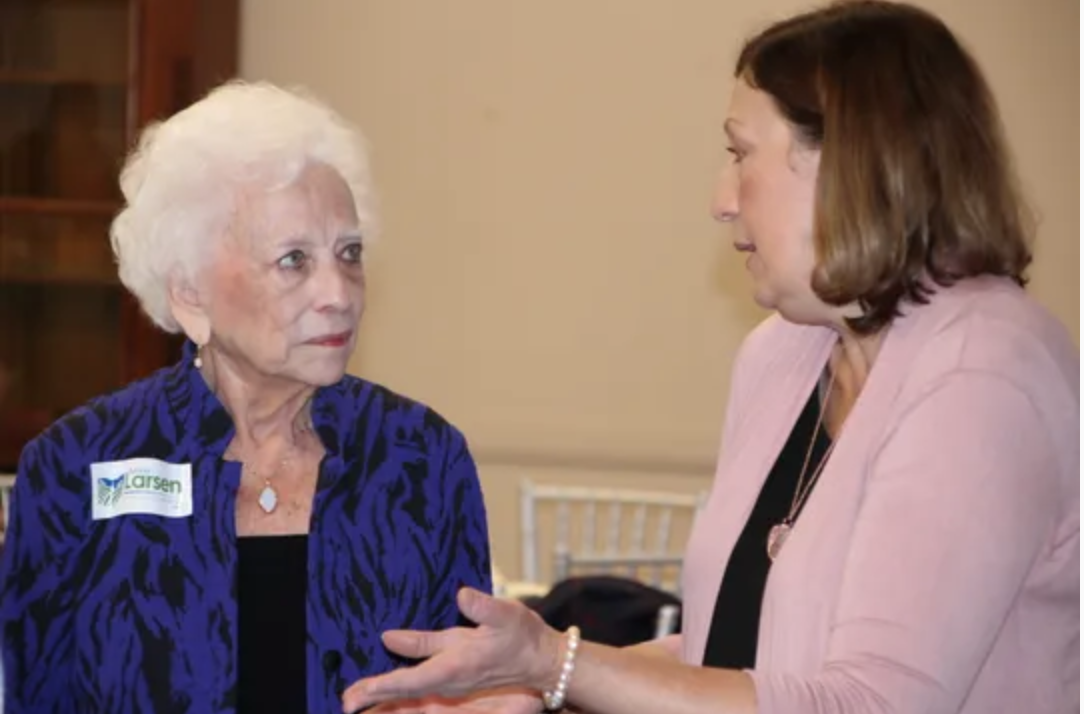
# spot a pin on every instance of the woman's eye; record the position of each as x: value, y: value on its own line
x: 352, y: 253
x: 294, y: 260
x: 736, y: 153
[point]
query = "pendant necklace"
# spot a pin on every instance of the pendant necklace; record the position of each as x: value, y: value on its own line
x: 268, y: 498
x: 779, y: 533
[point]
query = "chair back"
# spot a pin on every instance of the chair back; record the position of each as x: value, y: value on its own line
x: 633, y: 533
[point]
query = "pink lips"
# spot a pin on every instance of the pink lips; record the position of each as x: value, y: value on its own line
x: 745, y: 247
x: 340, y: 339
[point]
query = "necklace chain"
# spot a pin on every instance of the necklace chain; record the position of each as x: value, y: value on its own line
x: 778, y: 534
x: 268, y: 498
x: 800, y: 492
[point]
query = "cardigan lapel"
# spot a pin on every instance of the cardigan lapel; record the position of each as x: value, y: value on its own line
x: 815, y: 555
x: 778, y: 372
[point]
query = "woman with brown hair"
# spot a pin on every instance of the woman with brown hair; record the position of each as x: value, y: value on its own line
x: 894, y: 525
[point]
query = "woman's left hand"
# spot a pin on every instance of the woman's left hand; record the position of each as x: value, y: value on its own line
x: 505, y: 701
x: 511, y: 647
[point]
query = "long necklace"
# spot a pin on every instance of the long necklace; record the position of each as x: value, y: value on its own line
x: 779, y: 533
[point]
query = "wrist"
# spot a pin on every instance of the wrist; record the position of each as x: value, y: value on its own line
x: 554, y: 697
x: 551, y: 652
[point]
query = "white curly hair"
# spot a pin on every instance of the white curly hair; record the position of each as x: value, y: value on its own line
x: 181, y: 182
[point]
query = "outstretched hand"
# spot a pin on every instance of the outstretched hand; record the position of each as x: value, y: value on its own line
x: 502, y: 701
x: 511, y: 647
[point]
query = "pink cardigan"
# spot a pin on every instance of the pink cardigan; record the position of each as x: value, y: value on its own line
x: 935, y: 567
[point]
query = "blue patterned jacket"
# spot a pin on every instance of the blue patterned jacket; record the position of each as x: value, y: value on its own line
x: 138, y: 613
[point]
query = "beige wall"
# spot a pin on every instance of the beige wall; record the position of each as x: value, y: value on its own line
x: 549, y: 277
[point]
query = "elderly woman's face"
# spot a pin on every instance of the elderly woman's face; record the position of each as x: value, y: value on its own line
x: 768, y: 191
x: 288, y: 285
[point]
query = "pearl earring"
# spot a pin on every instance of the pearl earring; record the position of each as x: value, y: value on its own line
x: 198, y: 362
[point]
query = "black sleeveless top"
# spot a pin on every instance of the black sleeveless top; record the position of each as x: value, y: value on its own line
x: 732, y: 639
x: 272, y: 575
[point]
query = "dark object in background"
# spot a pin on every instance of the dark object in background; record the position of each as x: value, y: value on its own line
x: 609, y: 610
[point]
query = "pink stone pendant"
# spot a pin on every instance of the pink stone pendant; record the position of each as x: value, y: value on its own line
x: 777, y: 536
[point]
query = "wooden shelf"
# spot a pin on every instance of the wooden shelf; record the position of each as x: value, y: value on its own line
x: 57, y: 206
x: 78, y: 80
x: 75, y: 281
x: 49, y: 78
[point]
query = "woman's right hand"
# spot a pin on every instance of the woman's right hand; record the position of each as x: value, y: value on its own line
x: 511, y: 647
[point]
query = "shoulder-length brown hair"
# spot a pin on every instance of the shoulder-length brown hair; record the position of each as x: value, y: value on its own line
x: 915, y: 181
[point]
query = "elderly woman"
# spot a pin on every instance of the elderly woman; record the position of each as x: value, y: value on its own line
x: 234, y: 532
x: 894, y: 522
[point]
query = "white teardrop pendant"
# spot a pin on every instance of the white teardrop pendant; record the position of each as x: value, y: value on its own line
x: 269, y: 500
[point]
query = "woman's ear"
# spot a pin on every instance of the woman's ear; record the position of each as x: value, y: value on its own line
x: 189, y: 308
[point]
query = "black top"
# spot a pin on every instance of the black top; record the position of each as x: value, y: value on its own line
x: 272, y: 575
x: 732, y: 639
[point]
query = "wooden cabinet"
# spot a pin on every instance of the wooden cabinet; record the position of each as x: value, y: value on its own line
x: 78, y: 79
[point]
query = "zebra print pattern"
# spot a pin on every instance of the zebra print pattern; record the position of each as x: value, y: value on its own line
x: 138, y: 613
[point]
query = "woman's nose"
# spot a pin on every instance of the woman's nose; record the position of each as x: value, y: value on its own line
x: 724, y: 206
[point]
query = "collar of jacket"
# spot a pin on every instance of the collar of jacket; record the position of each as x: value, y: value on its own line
x: 210, y: 428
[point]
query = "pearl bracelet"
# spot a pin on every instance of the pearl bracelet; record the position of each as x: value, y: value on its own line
x: 554, y: 699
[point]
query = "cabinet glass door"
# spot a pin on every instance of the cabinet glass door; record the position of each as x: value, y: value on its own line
x: 65, y: 123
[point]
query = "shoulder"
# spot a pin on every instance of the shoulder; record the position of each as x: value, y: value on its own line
x: 53, y: 473
x: 91, y: 431
x: 776, y: 347
x: 766, y: 337
x: 371, y: 411
x: 775, y: 339
x: 985, y: 352
x: 400, y: 446
x: 994, y: 327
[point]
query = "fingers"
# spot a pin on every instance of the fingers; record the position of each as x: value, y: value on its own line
x: 437, y: 675
x: 404, y: 707
x: 483, y: 609
x: 415, y: 644
x: 507, y: 701
x: 407, y: 683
